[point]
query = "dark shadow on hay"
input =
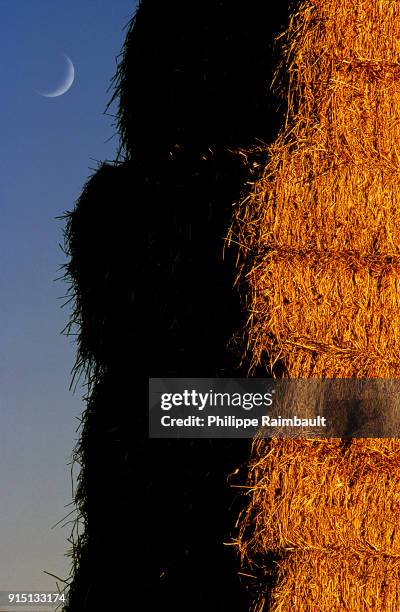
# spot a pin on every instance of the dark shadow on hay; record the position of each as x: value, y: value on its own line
x: 197, y: 74
x: 193, y: 89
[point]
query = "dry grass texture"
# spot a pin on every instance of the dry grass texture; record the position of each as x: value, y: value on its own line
x: 319, y: 261
x: 318, y: 235
x: 326, y: 515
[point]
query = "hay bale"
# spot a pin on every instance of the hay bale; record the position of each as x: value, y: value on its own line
x: 368, y: 582
x: 328, y: 312
x: 99, y: 271
x: 313, y: 503
x: 317, y: 235
x: 324, y: 515
x: 193, y: 75
x: 318, y: 259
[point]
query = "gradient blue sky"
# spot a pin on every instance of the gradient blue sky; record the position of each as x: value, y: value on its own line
x: 48, y: 147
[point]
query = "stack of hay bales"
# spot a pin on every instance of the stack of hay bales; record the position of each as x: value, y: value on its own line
x: 190, y: 88
x: 320, y: 530
x: 101, y: 277
x: 321, y: 226
x: 320, y: 261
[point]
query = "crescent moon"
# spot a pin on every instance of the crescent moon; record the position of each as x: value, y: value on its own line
x: 66, y: 84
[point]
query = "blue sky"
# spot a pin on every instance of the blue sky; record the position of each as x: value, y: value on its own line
x: 48, y: 147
